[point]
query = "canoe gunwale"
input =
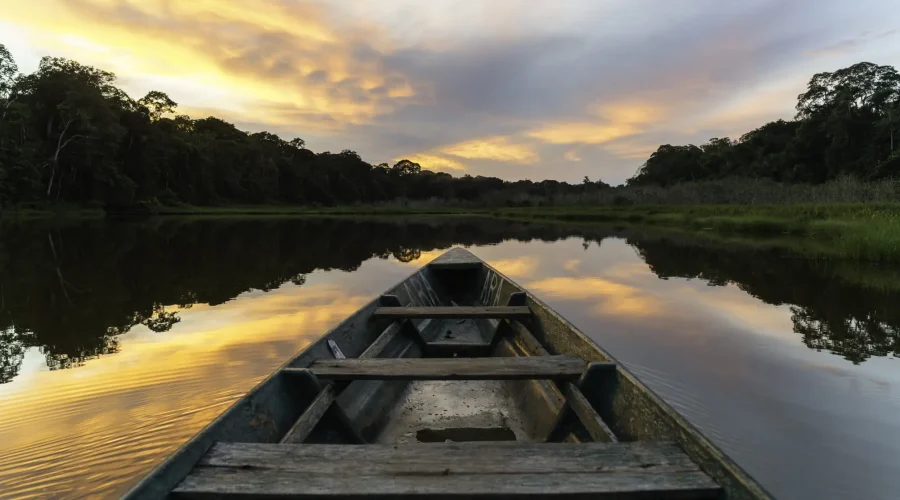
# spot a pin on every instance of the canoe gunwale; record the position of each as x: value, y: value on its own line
x: 736, y: 482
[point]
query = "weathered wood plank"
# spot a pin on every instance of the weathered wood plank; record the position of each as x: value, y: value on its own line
x: 456, y: 259
x: 308, y: 420
x: 499, y: 312
x: 595, y: 426
x: 382, y: 341
x: 521, y: 368
x: 459, y: 458
x: 215, y: 482
x: 305, y: 376
x: 489, y: 470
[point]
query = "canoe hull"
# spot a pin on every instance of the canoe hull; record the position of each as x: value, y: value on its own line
x: 630, y: 409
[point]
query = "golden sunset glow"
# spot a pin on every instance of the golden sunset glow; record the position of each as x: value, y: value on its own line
x: 583, y: 132
x: 478, y: 82
x: 613, y: 122
x: 613, y: 297
x: 275, y: 62
x: 434, y: 162
x: 521, y: 267
x: 159, y: 390
x: 493, y: 148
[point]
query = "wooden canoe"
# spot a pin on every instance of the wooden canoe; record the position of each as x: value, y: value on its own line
x: 456, y: 383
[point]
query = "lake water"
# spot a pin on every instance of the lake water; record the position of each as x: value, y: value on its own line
x: 120, y: 340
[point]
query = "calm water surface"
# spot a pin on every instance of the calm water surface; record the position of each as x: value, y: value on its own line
x: 120, y: 340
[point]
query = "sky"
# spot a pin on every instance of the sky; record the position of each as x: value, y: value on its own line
x: 517, y: 89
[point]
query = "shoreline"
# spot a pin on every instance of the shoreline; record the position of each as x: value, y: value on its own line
x: 862, y: 232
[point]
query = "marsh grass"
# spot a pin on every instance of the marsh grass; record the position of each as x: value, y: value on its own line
x: 868, y: 232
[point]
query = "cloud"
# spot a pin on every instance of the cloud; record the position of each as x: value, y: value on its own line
x: 278, y: 61
x: 849, y: 45
x: 572, y: 155
x: 517, y: 267
x: 434, y: 162
x: 493, y: 148
x: 610, y: 297
x: 408, y: 76
x: 582, y: 133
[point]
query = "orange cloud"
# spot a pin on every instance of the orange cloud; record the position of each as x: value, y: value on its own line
x: 613, y: 122
x: 276, y: 62
x: 434, y: 162
x: 614, y: 298
x: 582, y: 132
x: 519, y: 267
x: 493, y: 148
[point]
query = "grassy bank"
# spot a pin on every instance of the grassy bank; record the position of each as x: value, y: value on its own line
x: 854, y: 231
x: 41, y: 211
x: 857, y: 231
x: 869, y: 231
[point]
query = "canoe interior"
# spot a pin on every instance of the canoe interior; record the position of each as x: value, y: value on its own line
x: 448, y: 410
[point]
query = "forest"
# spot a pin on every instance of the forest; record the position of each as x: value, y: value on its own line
x: 68, y: 135
x: 846, y: 125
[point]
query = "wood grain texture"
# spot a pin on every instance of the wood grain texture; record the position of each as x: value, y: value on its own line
x: 304, y: 425
x: 497, y: 312
x: 496, y: 457
x: 604, y: 470
x: 595, y: 426
x: 456, y: 259
x: 522, y: 368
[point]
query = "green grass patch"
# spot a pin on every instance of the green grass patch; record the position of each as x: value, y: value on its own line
x: 869, y: 232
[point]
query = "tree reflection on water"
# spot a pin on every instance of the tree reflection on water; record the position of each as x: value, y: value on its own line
x: 71, y: 290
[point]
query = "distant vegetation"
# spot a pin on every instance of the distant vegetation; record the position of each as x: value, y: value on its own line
x: 847, y: 124
x: 69, y: 136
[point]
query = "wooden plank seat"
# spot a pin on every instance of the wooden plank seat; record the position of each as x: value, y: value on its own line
x: 509, y: 368
x: 486, y: 312
x: 448, y: 470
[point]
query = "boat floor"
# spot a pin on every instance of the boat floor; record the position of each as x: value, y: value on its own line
x: 454, y: 410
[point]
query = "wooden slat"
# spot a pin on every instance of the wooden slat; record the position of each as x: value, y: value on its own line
x: 236, y: 483
x: 522, y: 368
x: 308, y: 420
x: 322, y: 402
x: 473, y: 457
x: 575, y: 400
x: 498, y: 312
x: 382, y: 341
x: 592, y: 470
x: 456, y: 259
x: 595, y: 426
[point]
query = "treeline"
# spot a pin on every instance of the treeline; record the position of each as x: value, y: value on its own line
x: 68, y: 134
x: 846, y: 125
